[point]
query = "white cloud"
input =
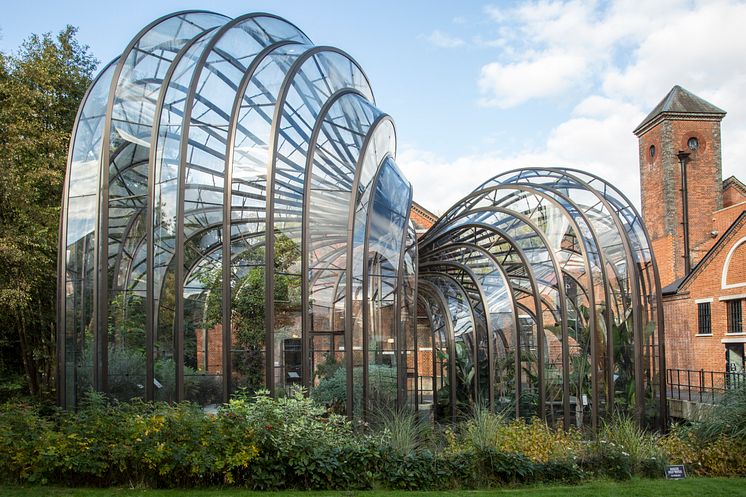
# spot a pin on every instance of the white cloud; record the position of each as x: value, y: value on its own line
x: 597, y: 138
x: 509, y: 85
x: 614, y: 61
x: 444, y: 40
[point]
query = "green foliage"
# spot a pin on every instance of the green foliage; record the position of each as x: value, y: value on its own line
x: 481, y: 430
x: 294, y: 443
x: 410, y: 471
x: 716, y: 445
x: 609, y: 460
x: 302, y: 445
x: 104, y: 444
x: 41, y: 87
x: 622, y: 449
x: 565, y: 471
x: 728, y: 418
x: 332, y: 391
x: 640, y: 446
x: 403, y: 431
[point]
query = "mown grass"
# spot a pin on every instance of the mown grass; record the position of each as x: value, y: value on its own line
x: 691, y: 487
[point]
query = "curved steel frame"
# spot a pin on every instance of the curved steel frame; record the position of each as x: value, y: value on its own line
x: 572, y: 208
x: 215, y: 148
x: 143, y: 127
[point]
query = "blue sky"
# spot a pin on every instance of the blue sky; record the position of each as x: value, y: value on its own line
x: 478, y: 88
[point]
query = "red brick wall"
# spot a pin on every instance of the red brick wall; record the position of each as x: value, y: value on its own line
x: 737, y: 267
x: 214, y: 349
x: 685, y: 350
x: 660, y: 179
x: 732, y: 196
x: 722, y: 219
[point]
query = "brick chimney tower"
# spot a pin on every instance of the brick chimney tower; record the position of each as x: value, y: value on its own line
x: 680, y: 140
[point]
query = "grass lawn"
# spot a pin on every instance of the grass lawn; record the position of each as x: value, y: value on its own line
x: 691, y: 487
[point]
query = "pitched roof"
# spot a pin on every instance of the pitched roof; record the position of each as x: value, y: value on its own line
x: 424, y: 212
x: 680, y: 103
x: 734, y: 182
x: 680, y: 285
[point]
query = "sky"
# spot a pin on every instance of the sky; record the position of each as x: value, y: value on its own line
x: 477, y: 88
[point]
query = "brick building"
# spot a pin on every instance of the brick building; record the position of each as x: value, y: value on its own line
x: 697, y: 225
x: 422, y: 218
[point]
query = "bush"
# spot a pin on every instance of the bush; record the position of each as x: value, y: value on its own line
x: 292, y: 442
x: 727, y: 419
x: 105, y: 444
x: 506, y: 467
x: 723, y: 456
x: 626, y: 449
x: 608, y: 459
x: 24, y: 439
x: 538, y: 442
x: 402, y: 430
x: 560, y: 471
x: 481, y: 430
x: 410, y: 471
x: 716, y: 445
x: 302, y: 445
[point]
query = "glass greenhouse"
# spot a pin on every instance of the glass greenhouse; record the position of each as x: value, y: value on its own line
x: 234, y: 219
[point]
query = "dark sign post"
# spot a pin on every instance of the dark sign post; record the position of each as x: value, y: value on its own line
x: 675, y: 472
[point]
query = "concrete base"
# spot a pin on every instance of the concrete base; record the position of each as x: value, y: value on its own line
x: 685, y: 409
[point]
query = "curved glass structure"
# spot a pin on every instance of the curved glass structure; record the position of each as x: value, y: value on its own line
x: 549, y: 284
x: 232, y: 205
x: 234, y: 218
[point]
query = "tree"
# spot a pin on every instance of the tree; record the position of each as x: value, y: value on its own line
x: 40, y: 89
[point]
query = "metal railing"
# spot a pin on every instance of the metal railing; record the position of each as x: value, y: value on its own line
x: 702, y: 386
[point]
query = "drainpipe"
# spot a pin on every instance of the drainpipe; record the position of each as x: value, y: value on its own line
x: 683, y: 158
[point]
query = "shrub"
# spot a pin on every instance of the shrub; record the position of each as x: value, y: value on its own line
x: 105, y: 444
x: 723, y: 456
x: 507, y: 467
x: 302, y: 445
x: 623, y: 443
x: 415, y: 470
x: 726, y: 419
x: 560, y: 471
x: 24, y: 439
x: 481, y: 430
x: 716, y: 445
x: 604, y: 458
x: 402, y: 430
x: 538, y: 442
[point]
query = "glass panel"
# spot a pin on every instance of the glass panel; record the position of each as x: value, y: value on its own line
x: 165, y: 218
x: 215, y: 83
x: 464, y: 355
x: 312, y: 85
x: 381, y: 144
x: 540, y: 269
x: 133, y: 109
x: 386, y: 236
x: 79, y: 222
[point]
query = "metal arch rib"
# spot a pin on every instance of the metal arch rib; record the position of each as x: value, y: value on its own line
x: 560, y: 290
x: 537, y: 190
x: 150, y: 311
x: 512, y: 292
x: 101, y: 280
x: 62, y: 243
x: 191, y: 95
x: 369, y: 138
x: 308, y: 178
x: 269, y: 223
x: 436, y: 293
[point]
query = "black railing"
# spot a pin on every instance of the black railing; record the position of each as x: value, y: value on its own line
x: 702, y: 386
